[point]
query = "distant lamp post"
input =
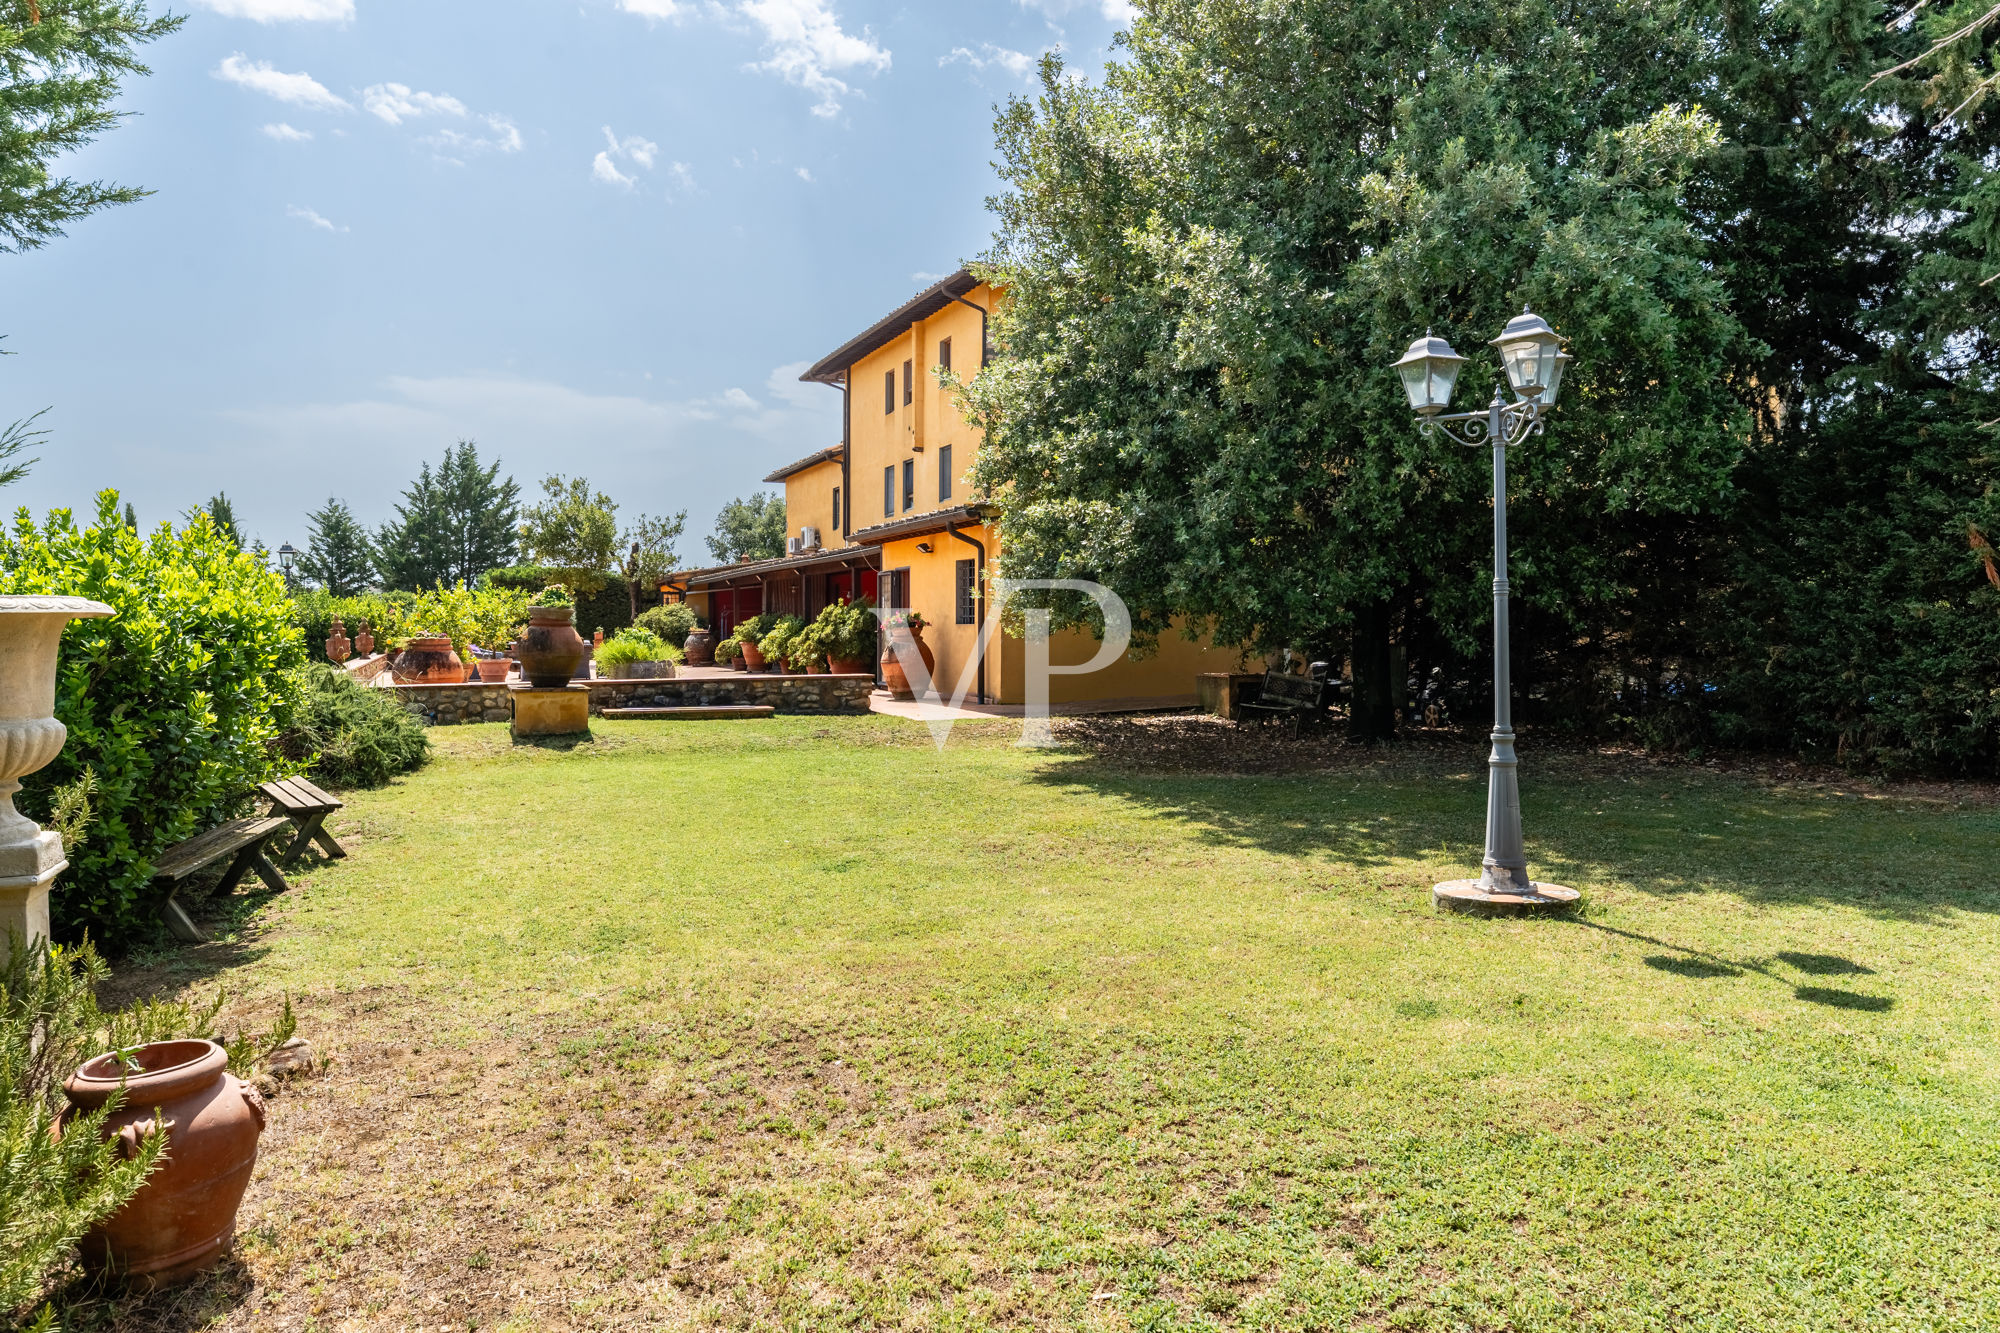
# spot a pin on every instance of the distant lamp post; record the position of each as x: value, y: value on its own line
x: 287, y: 557
x: 1532, y: 355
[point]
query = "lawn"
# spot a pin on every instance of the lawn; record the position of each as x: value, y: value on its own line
x: 803, y: 1023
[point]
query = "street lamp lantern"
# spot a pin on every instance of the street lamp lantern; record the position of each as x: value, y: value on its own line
x: 286, y: 555
x: 1430, y: 371
x: 1532, y: 355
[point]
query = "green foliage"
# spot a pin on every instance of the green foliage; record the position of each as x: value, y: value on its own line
x: 453, y: 524
x: 553, y: 595
x: 807, y: 647
x: 61, y: 67
x: 728, y: 650
x: 609, y: 605
x: 487, y: 616
x: 635, y: 645
x: 573, y: 532
x: 776, y: 641
x: 756, y: 627
x: 388, y: 616
x: 53, y: 1187
x: 174, y: 704
x: 13, y: 439
x: 672, y: 622
x: 850, y: 629
x: 337, y: 554
x: 222, y: 514
x: 187, y: 1019
x: 351, y: 735
x: 651, y: 543
x: 753, y: 527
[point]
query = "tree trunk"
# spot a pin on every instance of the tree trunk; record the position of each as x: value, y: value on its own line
x: 1371, y: 714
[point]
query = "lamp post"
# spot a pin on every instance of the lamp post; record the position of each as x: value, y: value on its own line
x: 286, y: 557
x: 1533, y: 358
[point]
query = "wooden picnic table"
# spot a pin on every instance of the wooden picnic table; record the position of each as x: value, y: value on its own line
x: 307, y: 807
x: 243, y: 839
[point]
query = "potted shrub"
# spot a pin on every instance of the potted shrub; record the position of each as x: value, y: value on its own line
x: 748, y: 634
x: 808, y: 648
x: 729, y: 653
x: 551, y: 652
x: 636, y: 654
x: 905, y: 628
x: 776, y: 643
x: 851, y: 636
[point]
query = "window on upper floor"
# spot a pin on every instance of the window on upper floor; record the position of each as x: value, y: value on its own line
x: 909, y: 482
x: 836, y: 509
x: 888, y: 391
x: 944, y: 354
x: 889, y: 491
x: 909, y: 382
x: 944, y: 472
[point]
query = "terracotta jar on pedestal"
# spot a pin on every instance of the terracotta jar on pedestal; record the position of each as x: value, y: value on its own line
x: 338, y: 646
x: 550, y: 650
x: 182, y: 1219
x: 364, y: 642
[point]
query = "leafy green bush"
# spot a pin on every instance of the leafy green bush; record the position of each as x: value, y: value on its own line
x: 553, y: 595
x: 728, y: 650
x: 352, y: 735
x: 777, y: 641
x: 609, y: 608
x: 52, y: 1187
x: 313, y: 610
x: 847, y: 630
x: 635, y: 645
x: 807, y: 647
x: 756, y: 627
x: 673, y: 622
x: 175, y: 705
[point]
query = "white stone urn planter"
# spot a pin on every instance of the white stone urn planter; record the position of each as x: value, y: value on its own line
x: 30, y: 856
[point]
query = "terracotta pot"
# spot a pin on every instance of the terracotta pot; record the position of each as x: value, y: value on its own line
x: 492, y: 669
x: 428, y: 661
x: 893, y: 675
x: 364, y: 642
x: 753, y: 656
x: 551, y: 652
x: 182, y: 1219
x: 815, y: 669
x: 699, y: 650
x: 847, y: 666
x: 338, y: 646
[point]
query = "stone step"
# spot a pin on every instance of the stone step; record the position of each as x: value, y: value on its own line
x: 696, y: 711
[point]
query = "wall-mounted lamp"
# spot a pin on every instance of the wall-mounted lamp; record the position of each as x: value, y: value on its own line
x: 925, y: 547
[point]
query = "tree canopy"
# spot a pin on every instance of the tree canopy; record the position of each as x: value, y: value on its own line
x: 752, y: 527
x: 1212, y: 258
x: 574, y: 531
x: 453, y: 525
x: 337, y: 556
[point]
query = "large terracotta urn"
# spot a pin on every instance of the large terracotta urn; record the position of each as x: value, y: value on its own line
x: 699, y: 650
x: 364, y: 642
x: 30, y: 736
x: 894, y: 677
x: 550, y: 650
x: 338, y: 647
x: 182, y: 1219
x: 429, y: 660
x: 753, y: 656
x: 492, y: 670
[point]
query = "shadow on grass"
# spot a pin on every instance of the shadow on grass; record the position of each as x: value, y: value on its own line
x: 1699, y: 965
x: 1662, y: 832
x: 104, y: 1305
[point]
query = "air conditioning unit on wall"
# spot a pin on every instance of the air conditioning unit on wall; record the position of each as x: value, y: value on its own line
x: 793, y: 545
x: 809, y: 538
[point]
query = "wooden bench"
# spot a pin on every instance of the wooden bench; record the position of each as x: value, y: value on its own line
x: 1290, y: 698
x: 243, y: 839
x: 307, y: 807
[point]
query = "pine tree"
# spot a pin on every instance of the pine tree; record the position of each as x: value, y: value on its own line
x: 481, y: 513
x: 337, y: 555
x: 413, y: 550
x: 131, y: 516
x: 60, y: 66
x: 222, y: 513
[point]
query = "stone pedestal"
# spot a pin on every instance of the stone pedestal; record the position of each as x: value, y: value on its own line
x: 558, y: 712
x: 1477, y: 899
x: 26, y: 870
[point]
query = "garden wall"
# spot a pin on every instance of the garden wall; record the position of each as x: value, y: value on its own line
x: 449, y: 705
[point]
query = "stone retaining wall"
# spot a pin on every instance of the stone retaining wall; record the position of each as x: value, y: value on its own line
x: 449, y: 705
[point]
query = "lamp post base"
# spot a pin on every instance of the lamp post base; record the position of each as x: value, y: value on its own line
x: 1468, y: 895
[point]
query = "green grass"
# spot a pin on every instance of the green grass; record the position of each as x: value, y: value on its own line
x: 803, y: 1023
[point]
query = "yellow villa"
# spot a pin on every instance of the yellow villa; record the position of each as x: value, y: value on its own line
x: 888, y: 514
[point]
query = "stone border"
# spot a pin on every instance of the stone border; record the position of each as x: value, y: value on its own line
x: 476, y: 701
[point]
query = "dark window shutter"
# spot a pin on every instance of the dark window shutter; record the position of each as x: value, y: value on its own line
x: 836, y: 509
x: 909, y: 382
x: 944, y: 354
x: 889, y: 491
x: 968, y: 577
x: 944, y: 472
x: 888, y: 391
x: 909, y: 482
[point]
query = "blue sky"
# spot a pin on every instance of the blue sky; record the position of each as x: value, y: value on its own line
x: 598, y: 238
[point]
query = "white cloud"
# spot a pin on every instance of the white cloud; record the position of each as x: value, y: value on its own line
x: 1017, y: 63
x: 808, y: 46
x: 283, y: 11
x: 651, y: 9
x: 457, y: 145
x: 803, y: 174
x: 299, y: 89
x: 683, y: 177
x: 927, y: 278
x: 396, y: 103
x: 740, y: 400
x: 311, y: 218
x: 606, y: 172
x: 632, y: 148
x: 284, y: 133
x: 1121, y: 12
